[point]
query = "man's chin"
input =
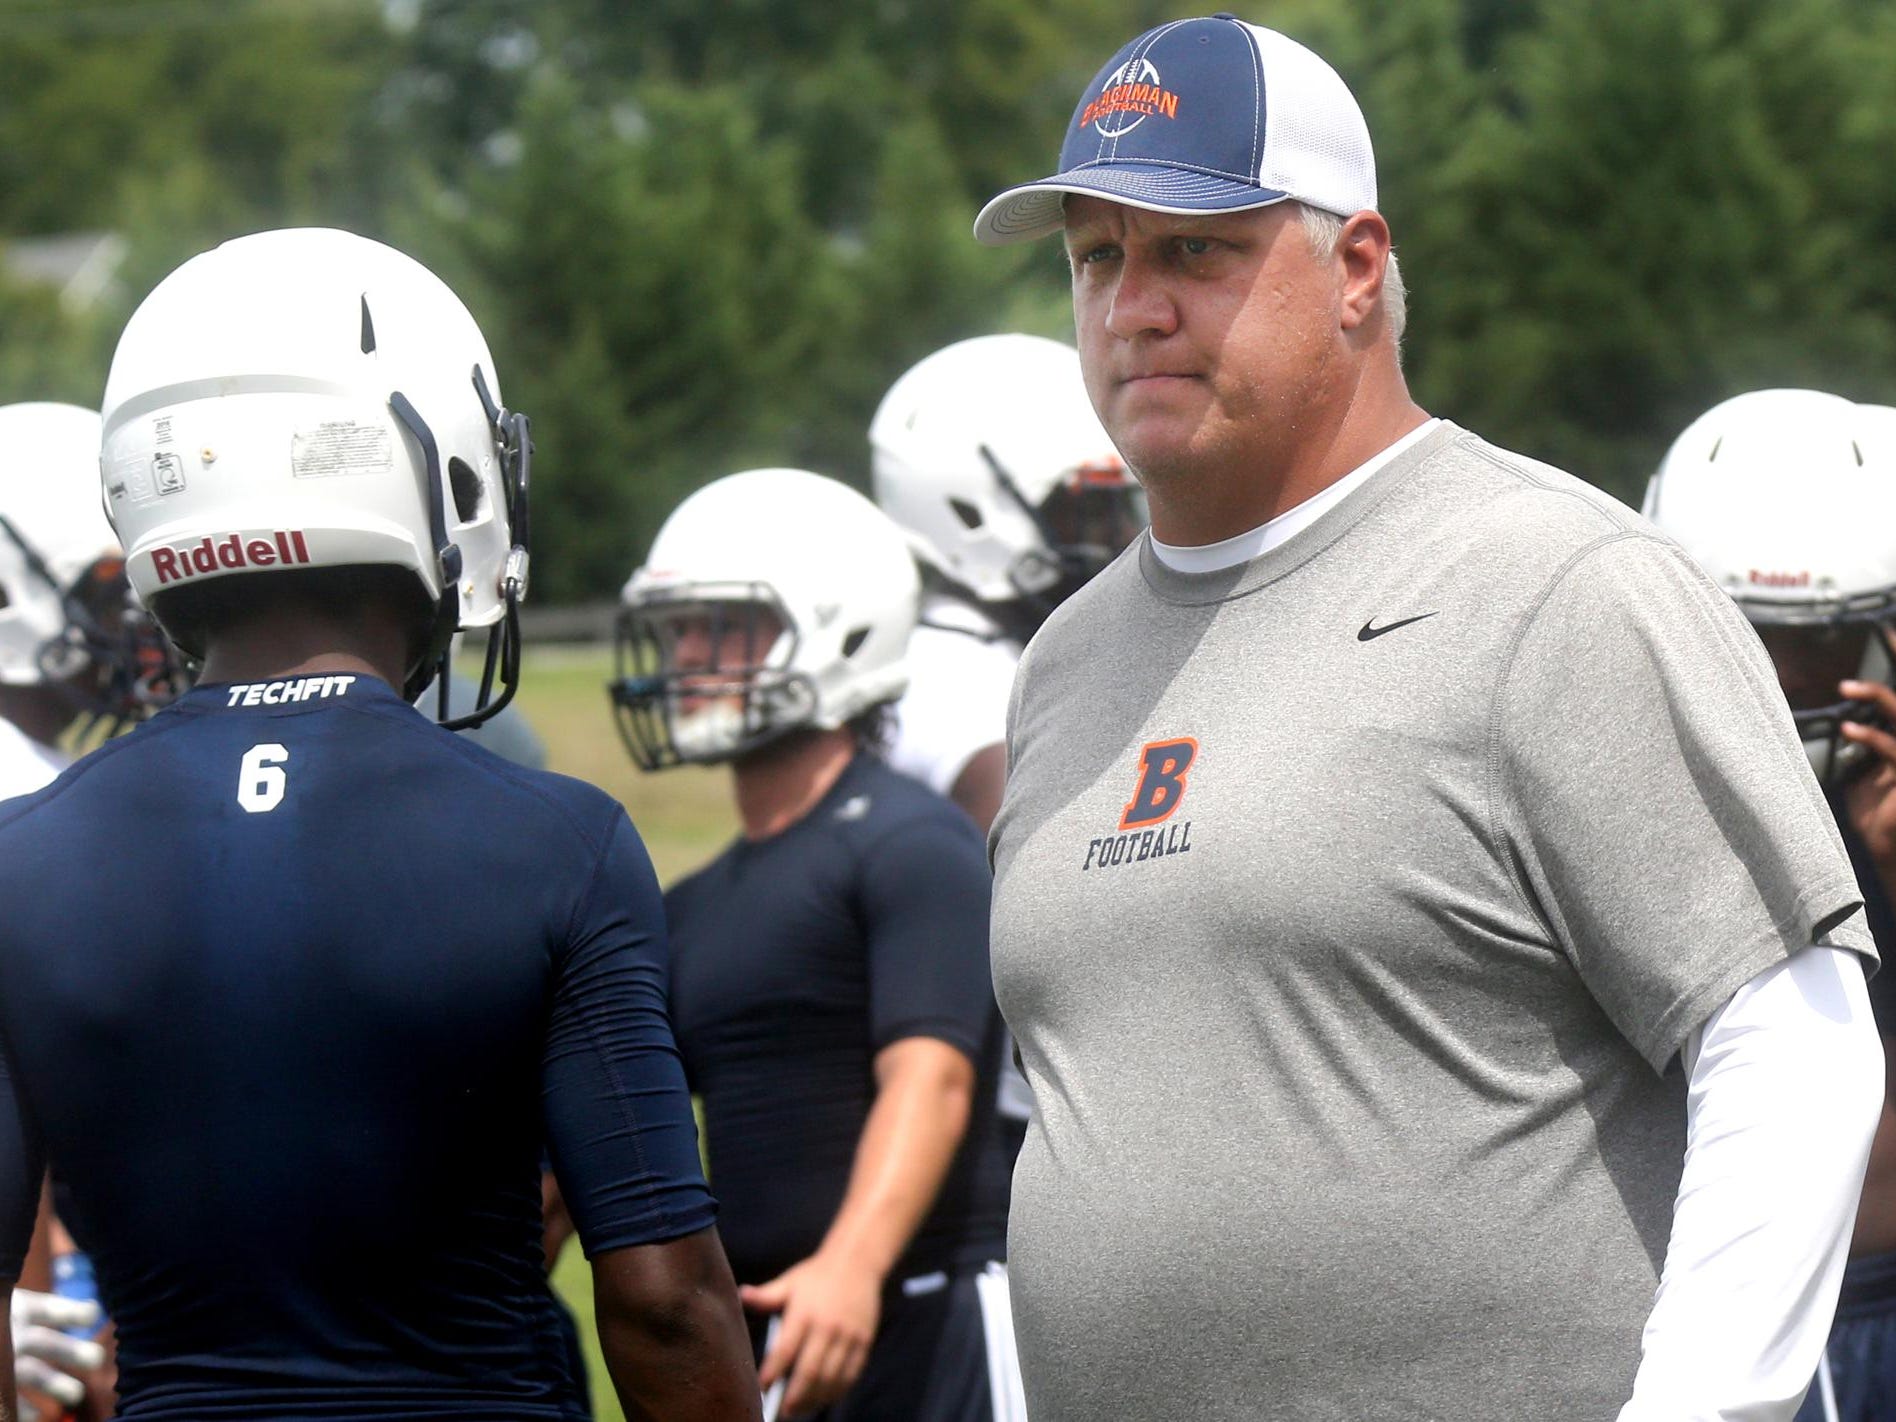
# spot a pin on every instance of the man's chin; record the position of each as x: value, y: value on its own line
x: 1159, y: 454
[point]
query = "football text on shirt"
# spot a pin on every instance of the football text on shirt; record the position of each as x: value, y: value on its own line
x: 1157, y: 794
x: 278, y: 693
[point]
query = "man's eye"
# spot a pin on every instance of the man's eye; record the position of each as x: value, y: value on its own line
x: 1089, y: 255
x: 1195, y: 246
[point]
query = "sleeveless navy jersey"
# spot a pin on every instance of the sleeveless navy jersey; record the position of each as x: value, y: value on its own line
x: 294, y: 986
x: 794, y: 961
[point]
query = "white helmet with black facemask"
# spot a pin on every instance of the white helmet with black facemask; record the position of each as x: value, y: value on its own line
x: 67, y: 617
x: 773, y: 601
x: 1787, y: 499
x: 989, y: 454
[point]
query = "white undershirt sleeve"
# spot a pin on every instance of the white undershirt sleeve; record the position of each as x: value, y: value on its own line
x: 1786, y: 1087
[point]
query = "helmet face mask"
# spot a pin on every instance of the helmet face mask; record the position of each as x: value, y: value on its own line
x: 112, y: 661
x: 108, y: 659
x: 1084, y: 522
x: 513, y: 438
x: 703, y: 674
x: 1811, y: 658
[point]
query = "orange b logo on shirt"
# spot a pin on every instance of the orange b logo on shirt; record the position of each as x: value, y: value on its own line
x: 1162, y: 768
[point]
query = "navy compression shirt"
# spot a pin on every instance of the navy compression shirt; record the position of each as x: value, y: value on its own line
x: 294, y: 985
x: 794, y: 961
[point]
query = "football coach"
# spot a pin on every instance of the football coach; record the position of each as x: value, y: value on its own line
x: 1441, y: 983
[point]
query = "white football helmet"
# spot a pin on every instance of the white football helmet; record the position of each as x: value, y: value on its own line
x: 989, y: 454
x: 1787, y: 499
x: 772, y: 600
x: 67, y: 617
x: 312, y: 399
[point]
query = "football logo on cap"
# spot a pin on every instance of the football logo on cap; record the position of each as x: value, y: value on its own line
x: 1132, y: 89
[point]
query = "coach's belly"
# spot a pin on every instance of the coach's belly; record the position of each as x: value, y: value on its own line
x: 1183, y: 1280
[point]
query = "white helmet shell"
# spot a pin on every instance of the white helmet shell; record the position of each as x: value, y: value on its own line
x: 49, y: 497
x: 959, y: 420
x: 832, y: 568
x: 253, y: 421
x: 1787, y: 499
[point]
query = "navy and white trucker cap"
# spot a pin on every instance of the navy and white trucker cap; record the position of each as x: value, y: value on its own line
x: 1211, y: 115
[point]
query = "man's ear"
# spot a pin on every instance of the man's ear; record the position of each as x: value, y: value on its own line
x: 1363, y: 249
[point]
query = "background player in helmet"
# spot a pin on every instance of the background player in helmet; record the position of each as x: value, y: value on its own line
x: 989, y: 455
x: 830, y: 982
x: 1787, y: 498
x: 72, y: 642
x: 297, y: 1060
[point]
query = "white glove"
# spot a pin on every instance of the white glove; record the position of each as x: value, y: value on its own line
x: 42, y: 1354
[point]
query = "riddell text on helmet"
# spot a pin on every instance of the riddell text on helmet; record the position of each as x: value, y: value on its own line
x: 228, y: 554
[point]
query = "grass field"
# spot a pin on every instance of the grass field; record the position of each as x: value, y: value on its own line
x: 685, y: 816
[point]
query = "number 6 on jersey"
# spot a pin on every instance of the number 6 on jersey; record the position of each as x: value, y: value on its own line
x: 261, y: 780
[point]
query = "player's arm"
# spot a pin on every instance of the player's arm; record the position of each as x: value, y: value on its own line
x: 1875, y: 1231
x: 832, y: 1301
x: 9, y: 1399
x: 977, y: 789
x: 22, y: 1168
x: 673, y: 1337
x: 625, y: 1148
x: 1870, y: 801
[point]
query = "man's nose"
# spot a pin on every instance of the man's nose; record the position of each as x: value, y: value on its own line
x: 1142, y: 302
x: 692, y: 648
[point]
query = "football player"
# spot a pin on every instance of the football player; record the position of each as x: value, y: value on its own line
x: 73, y: 644
x: 1787, y: 499
x: 293, y: 1043
x: 989, y: 455
x: 830, y: 980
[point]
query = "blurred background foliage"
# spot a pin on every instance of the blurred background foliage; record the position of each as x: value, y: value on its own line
x: 706, y: 236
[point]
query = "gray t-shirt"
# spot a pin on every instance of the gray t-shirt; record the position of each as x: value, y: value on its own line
x: 1351, y: 906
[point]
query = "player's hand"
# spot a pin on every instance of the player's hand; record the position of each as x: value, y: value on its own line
x: 46, y: 1360
x: 1870, y: 797
x: 830, y: 1310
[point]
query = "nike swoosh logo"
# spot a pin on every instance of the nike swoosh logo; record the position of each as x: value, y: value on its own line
x: 1369, y: 632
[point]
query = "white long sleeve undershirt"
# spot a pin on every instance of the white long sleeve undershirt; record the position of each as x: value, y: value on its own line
x: 1786, y: 1083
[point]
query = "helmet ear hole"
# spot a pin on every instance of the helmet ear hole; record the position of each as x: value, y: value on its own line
x: 969, y: 515
x: 466, y: 485
x: 853, y: 642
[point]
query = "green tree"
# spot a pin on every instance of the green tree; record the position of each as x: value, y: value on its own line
x: 661, y: 254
